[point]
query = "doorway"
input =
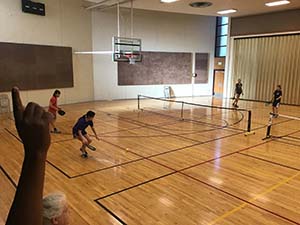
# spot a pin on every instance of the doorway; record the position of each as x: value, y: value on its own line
x: 218, y: 82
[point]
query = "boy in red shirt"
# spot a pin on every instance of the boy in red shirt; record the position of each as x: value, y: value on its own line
x: 53, y: 108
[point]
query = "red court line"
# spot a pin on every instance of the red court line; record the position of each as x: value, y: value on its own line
x: 139, y: 159
x: 243, y: 200
x: 139, y: 127
x: 151, y: 127
x: 177, y: 171
x: 207, y: 184
x: 221, y: 190
x: 174, y: 150
x: 269, y: 161
x: 287, y: 143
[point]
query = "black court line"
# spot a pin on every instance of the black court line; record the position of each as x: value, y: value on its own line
x: 199, y: 181
x: 165, y: 135
x: 19, y: 139
x: 159, y: 154
x: 106, y: 168
x: 150, y: 126
x: 293, y: 137
x: 187, y: 119
x: 143, y: 157
x: 163, y: 131
x: 103, y: 135
x: 197, y: 144
x: 228, y: 126
x: 274, y: 124
x: 136, y: 185
x: 207, y: 184
x: 153, y: 128
x: 141, y: 126
x: 46, y: 160
x: 243, y: 200
x: 8, y: 177
x: 57, y: 168
x: 15, y: 136
x: 155, y: 155
x: 61, y: 141
x: 111, y: 213
x: 285, y: 142
x: 221, y: 190
x: 270, y: 161
x: 177, y: 171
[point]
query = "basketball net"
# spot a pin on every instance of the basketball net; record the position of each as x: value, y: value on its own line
x: 131, y: 60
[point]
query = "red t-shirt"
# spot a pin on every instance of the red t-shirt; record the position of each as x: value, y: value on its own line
x: 53, y: 102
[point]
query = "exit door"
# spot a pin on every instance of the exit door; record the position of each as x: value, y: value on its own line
x: 218, y: 82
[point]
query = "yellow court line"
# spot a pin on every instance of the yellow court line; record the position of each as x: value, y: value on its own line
x: 253, y: 199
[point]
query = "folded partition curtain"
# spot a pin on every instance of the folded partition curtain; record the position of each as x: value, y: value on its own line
x: 264, y: 62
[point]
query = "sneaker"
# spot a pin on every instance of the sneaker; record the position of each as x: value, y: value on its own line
x: 55, y: 131
x: 84, y: 154
x: 91, y: 147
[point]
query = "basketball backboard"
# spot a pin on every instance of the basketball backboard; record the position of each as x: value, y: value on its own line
x: 127, y: 49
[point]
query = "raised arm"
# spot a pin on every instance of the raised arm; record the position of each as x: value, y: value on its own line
x: 32, y: 124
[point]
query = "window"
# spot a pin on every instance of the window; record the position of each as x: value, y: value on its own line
x: 221, y: 37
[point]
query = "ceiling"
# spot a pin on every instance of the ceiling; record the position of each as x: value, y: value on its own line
x: 244, y: 7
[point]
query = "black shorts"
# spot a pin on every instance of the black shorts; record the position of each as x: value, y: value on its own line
x: 276, y: 104
x: 76, y: 135
x: 237, y: 94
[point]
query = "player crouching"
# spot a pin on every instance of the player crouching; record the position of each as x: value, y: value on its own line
x: 80, y: 133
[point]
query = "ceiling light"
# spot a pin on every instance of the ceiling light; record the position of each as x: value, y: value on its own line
x: 227, y: 11
x: 200, y: 4
x: 168, y: 1
x: 277, y: 3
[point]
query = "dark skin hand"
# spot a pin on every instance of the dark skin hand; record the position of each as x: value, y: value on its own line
x: 32, y: 124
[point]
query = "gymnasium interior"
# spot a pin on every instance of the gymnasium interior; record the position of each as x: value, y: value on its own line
x: 160, y: 76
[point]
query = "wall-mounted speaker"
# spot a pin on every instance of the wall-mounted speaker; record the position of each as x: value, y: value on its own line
x: 36, y: 8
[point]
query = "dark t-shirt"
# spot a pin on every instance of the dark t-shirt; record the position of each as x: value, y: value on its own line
x: 238, y: 88
x: 82, y: 124
x: 277, y: 94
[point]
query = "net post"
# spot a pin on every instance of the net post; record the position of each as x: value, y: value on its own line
x: 182, y: 104
x: 268, y: 134
x: 249, y: 132
x: 139, y: 102
x: 249, y: 121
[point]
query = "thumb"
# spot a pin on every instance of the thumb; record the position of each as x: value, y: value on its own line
x: 18, y: 107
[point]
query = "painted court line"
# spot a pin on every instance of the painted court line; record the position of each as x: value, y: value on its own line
x: 111, y: 213
x: 8, y: 177
x: 272, y: 188
x: 234, y: 210
x: 287, y: 143
x: 269, y: 161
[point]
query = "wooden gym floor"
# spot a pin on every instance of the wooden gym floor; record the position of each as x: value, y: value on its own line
x: 152, y: 168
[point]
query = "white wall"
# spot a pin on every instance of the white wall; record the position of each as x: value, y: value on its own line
x: 159, y: 32
x: 66, y: 23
